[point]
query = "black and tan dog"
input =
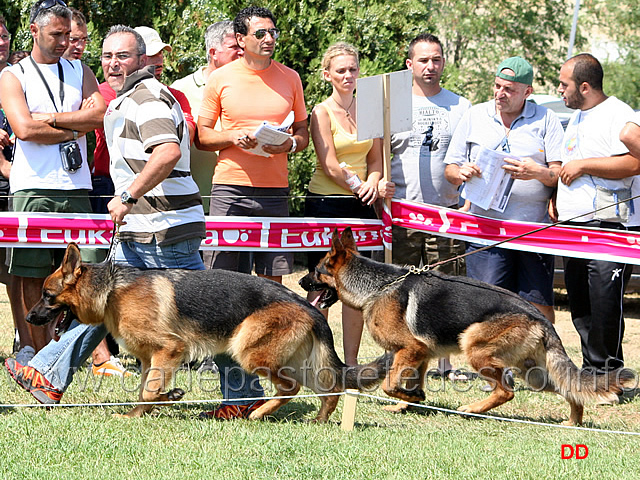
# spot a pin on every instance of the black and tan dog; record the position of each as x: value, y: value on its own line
x: 429, y: 315
x: 167, y: 317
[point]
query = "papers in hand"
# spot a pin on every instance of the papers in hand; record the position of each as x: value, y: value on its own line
x: 268, y: 134
x: 493, y: 189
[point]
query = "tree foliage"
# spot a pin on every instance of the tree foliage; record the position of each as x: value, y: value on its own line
x: 618, y: 21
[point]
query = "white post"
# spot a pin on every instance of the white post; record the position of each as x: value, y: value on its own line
x: 574, y: 27
x: 349, y: 410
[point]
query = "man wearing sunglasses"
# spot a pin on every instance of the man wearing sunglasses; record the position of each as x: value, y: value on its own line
x: 51, y: 103
x: 533, y: 135
x: 243, y: 94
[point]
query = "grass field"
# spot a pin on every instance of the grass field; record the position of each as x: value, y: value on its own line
x: 89, y: 443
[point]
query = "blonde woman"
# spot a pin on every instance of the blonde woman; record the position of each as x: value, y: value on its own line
x: 333, y: 131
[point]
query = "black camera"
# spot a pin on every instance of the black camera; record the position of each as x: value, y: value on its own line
x: 70, y: 156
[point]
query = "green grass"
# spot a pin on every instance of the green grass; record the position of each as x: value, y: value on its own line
x: 89, y: 443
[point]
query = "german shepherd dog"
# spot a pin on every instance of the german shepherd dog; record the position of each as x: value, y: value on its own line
x: 167, y: 317
x: 428, y: 315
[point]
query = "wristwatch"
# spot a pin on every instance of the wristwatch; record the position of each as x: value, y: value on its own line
x: 75, y: 132
x: 126, y: 197
x: 294, y: 145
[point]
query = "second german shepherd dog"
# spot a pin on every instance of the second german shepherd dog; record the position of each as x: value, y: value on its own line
x: 428, y: 315
x: 167, y: 317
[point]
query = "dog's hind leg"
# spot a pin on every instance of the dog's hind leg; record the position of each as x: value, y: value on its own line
x: 284, y: 390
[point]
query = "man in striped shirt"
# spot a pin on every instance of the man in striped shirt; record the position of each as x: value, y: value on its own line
x: 158, y: 205
x: 149, y: 149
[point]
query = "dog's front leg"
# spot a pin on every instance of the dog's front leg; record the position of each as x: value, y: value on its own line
x: 139, y: 410
x: 408, y: 366
x: 156, y: 375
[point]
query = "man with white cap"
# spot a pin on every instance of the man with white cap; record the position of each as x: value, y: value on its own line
x: 155, y: 48
x: 222, y: 48
x: 533, y: 135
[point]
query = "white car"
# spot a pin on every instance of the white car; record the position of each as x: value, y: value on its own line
x: 555, y: 104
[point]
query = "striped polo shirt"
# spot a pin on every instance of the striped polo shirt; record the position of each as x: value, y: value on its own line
x: 143, y: 116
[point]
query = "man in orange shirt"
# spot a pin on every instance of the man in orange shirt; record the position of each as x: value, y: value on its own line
x: 242, y: 95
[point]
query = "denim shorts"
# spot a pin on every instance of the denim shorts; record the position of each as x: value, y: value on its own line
x: 334, y: 206
x: 182, y: 254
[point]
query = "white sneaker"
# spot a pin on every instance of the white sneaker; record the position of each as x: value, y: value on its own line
x: 111, y: 367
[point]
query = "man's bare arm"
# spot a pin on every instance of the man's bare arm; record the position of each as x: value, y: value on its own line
x: 22, y: 123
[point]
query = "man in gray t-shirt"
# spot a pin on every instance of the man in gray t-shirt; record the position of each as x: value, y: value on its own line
x: 417, y: 166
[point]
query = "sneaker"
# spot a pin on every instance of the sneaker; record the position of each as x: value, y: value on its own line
x: 231, y: 412
x: 33, y: 382
x: 111, y: 367
x: 25, y: 354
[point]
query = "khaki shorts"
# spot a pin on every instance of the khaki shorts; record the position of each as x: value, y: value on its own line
x: 40, y: 262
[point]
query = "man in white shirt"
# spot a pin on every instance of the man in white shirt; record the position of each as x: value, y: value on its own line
x: 594, y: 160
x: 50, y: 102
x: 222, y: 48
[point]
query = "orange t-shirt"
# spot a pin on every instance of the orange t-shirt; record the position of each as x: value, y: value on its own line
x: 242, y: 99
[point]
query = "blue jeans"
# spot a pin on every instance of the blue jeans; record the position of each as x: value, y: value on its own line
x: 59, y: 360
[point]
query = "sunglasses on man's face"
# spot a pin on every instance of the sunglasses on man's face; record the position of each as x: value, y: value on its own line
x: 262, y: 32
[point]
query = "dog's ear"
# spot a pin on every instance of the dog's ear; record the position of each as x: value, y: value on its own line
x: 347, y: 240
x: 336, y: 244
x: 71, y: 263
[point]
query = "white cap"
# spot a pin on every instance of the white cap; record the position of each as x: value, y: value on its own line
x: 152, y: 40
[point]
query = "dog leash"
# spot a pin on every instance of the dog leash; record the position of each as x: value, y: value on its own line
x: 115, y: 239
x: 413, y: 270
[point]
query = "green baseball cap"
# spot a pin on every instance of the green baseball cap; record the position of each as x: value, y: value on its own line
x: 523, y: 72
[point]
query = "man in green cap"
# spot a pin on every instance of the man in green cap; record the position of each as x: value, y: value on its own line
x: 532, y: 136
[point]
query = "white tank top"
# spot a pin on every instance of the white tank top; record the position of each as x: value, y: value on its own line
x: 36, y: 165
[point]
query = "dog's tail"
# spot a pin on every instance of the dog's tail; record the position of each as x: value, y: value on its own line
x: 581, y: 386
x: 330, y: 373
x: 363, y: 377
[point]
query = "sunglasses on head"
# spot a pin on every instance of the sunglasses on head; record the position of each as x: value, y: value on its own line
x: 46, y: 5
x: 262, y: 32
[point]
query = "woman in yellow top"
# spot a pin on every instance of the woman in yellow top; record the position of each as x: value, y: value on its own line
x: 333, y: 131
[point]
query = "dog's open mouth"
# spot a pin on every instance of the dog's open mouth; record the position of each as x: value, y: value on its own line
x: 328, y: 297
x: 62, y: 322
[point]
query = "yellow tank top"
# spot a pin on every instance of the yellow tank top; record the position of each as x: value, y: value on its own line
x: 348, y: 150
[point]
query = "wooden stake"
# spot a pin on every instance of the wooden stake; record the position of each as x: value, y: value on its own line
x: 349, y: 410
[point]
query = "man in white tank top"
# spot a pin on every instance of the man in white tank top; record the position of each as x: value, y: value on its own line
x: 49, y: 102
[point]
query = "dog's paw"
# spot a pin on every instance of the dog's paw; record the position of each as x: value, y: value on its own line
x: 414, y: 395
x: 465, y: 409
x: 400, y: 407
x: 175, y: 394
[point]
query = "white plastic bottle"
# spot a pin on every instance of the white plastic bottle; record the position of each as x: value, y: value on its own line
x: 352, y: 178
